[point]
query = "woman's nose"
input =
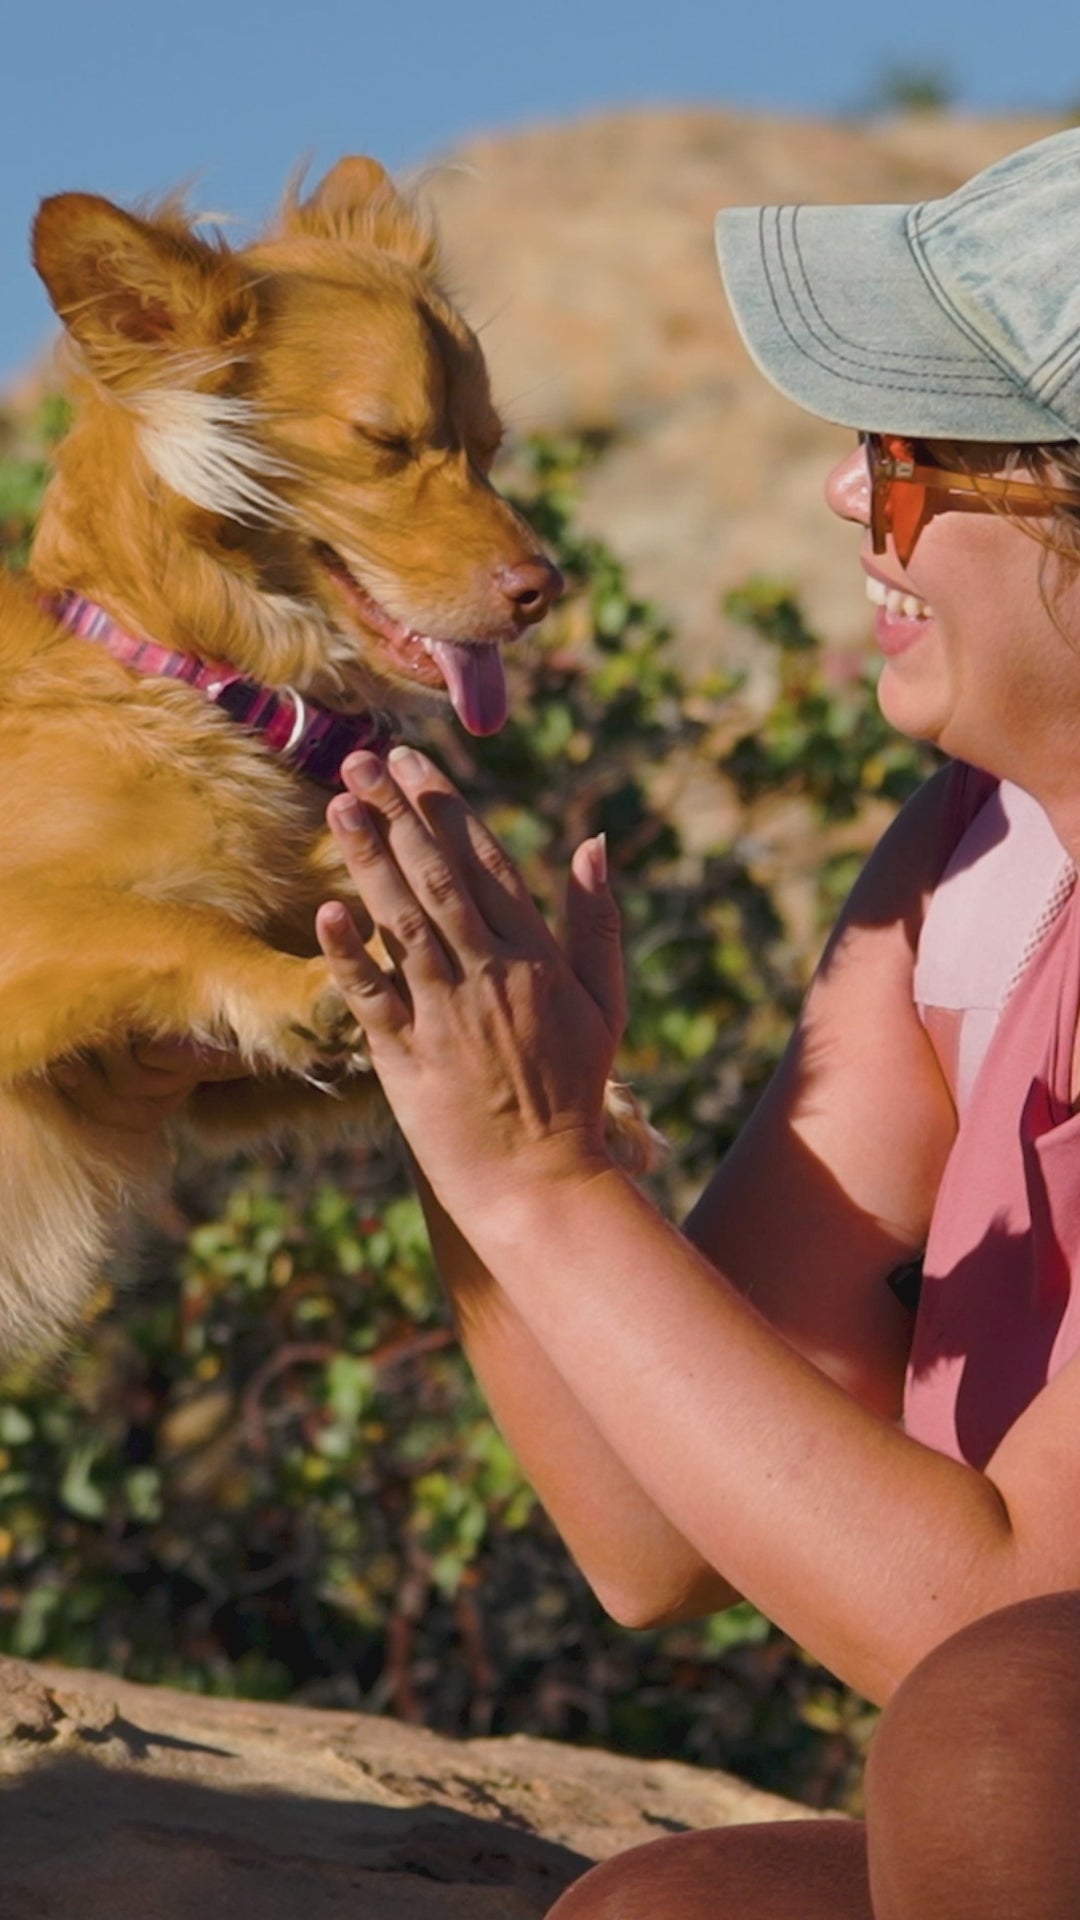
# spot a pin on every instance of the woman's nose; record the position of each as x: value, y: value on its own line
x: 847, y: 488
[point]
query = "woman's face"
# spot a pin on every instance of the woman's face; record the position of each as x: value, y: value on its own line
x: 972, y: 658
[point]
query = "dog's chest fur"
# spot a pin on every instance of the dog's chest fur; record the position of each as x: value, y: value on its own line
x: 109, y: 780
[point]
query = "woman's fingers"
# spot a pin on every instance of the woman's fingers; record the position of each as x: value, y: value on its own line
x: 467, y: 882
x: 421, y: 904
x: 493, y: 878
x: 141, y: 1084
x: 594, y: 933
x: 397, y: 902
x: 376, y: 998
x: 115, y: 1091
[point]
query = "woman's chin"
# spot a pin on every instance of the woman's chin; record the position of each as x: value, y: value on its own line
x: 919, y: 710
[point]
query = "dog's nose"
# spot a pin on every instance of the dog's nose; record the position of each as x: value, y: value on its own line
x: 531, y: 587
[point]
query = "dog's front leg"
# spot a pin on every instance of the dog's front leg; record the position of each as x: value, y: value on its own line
x: 85, y: 970
x: 81, y: 970
x: 328, y: 877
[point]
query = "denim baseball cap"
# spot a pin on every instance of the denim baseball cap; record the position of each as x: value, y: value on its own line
x: 954, y: 319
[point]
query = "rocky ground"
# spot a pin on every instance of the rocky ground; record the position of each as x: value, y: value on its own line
x: 120, y: 1802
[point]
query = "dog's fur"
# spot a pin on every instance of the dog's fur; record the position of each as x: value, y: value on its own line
x: 262, y: 439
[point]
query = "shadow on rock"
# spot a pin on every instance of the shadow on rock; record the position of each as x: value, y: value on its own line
x: 108, y: 1842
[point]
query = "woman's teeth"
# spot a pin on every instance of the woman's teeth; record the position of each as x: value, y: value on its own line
x: 894, y: 601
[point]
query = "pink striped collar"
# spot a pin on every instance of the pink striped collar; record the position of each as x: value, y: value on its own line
x: 314, y: 740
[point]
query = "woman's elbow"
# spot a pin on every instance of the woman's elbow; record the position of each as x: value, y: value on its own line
x: 648, y: 1607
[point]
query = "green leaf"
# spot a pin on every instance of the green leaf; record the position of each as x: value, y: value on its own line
x: 35, y: 1617
x: 78, y: 1490
x: 741, y: 1626
x: 349, y: 1385
x: 143, y: 1492
x: 16, y: 1427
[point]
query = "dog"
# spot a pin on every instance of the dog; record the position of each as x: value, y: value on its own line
x: 271, y: 537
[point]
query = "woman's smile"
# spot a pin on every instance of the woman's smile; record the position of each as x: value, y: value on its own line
x: 901, y: 619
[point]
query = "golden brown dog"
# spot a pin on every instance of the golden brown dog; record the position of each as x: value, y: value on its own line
x: 277, y: 477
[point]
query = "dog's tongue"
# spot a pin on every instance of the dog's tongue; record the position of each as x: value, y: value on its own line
x: 475, y: 682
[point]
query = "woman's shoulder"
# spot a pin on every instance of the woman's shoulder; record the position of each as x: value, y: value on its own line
x: 965, y: 792
x: 866, y: 999
x: 963, y: 834
x: 1003, y: 878
x: 894, y: 889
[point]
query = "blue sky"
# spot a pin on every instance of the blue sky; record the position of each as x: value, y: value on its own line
x: 126, y: 97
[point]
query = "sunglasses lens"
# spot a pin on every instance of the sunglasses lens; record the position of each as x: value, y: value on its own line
x: 907, y: 512
x: 897, y: 507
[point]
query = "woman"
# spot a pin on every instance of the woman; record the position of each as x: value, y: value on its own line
x: 717, y: 1412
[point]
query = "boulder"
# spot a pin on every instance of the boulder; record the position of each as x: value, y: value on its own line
x: 122, y: 1802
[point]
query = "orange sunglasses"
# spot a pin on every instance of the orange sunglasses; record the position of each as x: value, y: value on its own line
x: 900, y: 481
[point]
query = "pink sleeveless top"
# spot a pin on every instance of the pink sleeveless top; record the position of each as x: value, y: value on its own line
x: 997, y: 984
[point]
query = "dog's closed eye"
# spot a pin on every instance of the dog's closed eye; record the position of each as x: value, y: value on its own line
x: 386, y: 442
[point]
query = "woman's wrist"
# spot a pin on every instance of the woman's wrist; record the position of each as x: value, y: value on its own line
x: 533, y: 1202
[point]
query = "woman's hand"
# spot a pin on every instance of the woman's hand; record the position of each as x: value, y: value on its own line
x: 493, y: 1043
x: 135, y: 1089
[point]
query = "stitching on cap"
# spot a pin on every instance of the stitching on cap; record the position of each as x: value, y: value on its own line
x: 957, y: 381
x: 961, y: 381
x: 891, y: 353
x: 864, y: 360
x: 1043, y: 372
x: 1046, y: 379
x: 868, y: 377
x: 946, y: 205
x: 1051, y: 382
x: 935, y: 287
x: 828, y: 366
x: 1017, y: 384
x: 1066, y: 394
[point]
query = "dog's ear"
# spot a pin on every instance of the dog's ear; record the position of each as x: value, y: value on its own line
x: 358, y: 203
x: 123, y: 285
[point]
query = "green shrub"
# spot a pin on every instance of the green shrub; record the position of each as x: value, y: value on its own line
x: 24, y: 470
x: 267, y: 1470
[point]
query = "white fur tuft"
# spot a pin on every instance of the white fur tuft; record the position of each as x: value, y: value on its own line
x: 201, y: 445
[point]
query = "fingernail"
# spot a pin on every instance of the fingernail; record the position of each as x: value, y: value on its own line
x: 408, y: 765
x: 362, y: 770
x: 350, y: 815
x: 599, y: 859
x: 336, y: 917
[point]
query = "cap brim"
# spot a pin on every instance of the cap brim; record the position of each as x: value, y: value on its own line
x: 836, y: 310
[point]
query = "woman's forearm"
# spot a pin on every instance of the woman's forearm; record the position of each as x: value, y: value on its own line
x: 641, y: 1568
x: 494, y: 1044
x: 867, y: 1547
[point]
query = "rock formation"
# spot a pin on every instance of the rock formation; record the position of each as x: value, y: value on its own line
x: 121, y: 1802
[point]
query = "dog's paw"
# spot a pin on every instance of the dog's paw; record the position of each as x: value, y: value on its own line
x: 329, y: 1041
x: 635, y: 1144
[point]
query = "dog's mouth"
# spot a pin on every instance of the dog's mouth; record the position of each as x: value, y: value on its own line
x: 469, y: 671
